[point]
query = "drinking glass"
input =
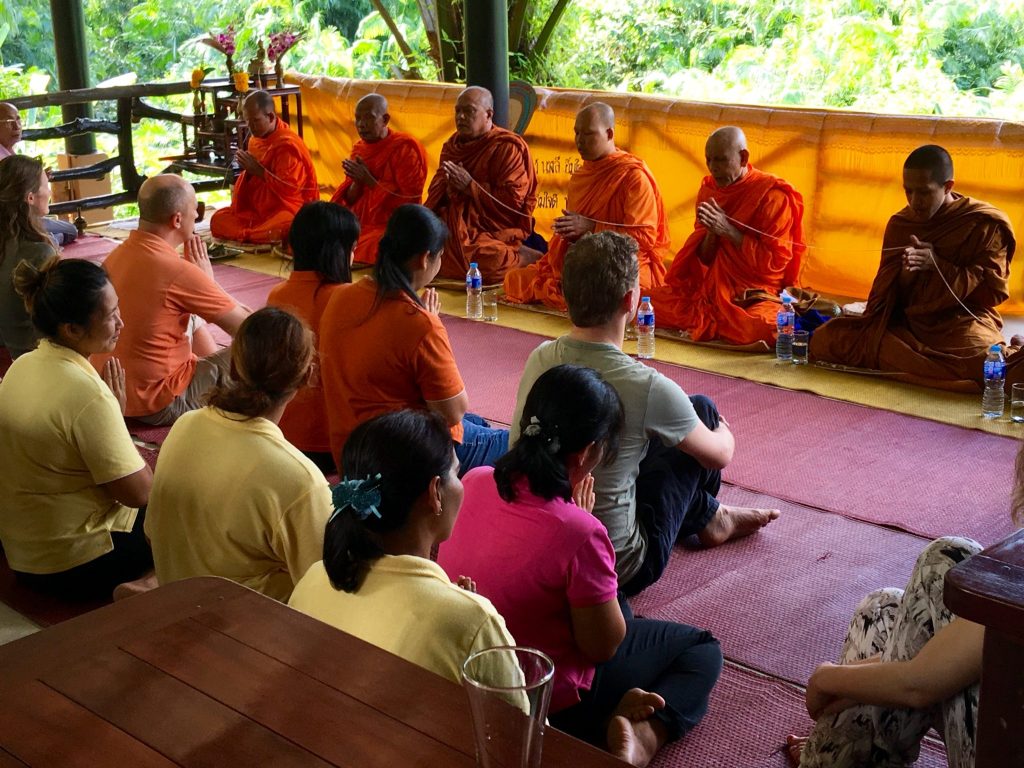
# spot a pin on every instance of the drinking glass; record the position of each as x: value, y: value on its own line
x: 800, y: 342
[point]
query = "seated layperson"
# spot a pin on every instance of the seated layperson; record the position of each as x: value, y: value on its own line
x: 484, y: 190
x: 277, y: 178
x: 322, y: 240
x: 169, y: 369
x: 613, y: 187
x: 73, y: 482
x: 24, y: 199
x: 384, y: 348
x: 748, y: 236
x: 939, y: 251
x: 59, y: 232
x: 400, y: 498
x: 527, y: 539
x: 231, y: 496
x: 387, y: 169
x: 663, y: 482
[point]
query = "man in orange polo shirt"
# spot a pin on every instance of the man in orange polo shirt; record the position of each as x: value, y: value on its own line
x: 170, y: 364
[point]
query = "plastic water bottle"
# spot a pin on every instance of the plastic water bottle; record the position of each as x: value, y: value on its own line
x: 474, y: 293
x: 645, y: 329
x: 785, y: 321
x: 994, y: 399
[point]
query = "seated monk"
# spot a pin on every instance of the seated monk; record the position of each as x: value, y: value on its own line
x: 613, y: 190
x: 748, y: 235
x: 277, y: 178
x: 484, y: 191
x: 387, y: 169
x: 931, y: 314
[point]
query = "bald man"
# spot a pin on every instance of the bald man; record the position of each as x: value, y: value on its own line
x: 613, y: 190
x: 171, y: 362
x: 277, y: 178
x: 931, y: 315
x: 387, y: 169
x: 62, y: 232
x: 484, y: 190
x: 747, y: 239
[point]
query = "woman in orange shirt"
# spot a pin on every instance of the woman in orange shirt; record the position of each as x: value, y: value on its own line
x: 322, y: 238
x: 384, y: 348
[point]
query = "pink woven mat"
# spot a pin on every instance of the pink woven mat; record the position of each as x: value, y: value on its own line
x: 92, y: 248
x: 882, y: 467
x: 747, y: 724
x: 780, y: 601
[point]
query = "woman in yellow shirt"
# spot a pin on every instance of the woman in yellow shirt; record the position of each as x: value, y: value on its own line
x: 72, y: 480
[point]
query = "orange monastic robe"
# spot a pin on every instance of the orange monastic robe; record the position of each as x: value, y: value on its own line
x: 489, y: 221
x: 700, y: 299
x: 262, y: 208
x: 913, y: 324
x: 617, y: 189
x: 399, y: 164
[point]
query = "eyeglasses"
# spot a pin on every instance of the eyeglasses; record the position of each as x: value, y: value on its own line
x: 11, y: 121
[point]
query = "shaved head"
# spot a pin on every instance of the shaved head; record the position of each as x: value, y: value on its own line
x: 595, y: 131
x: 474, y: 112
x: 372, y: 117
x: 10, y: 125
x: 259, y: 114
x: 260, y: 100
x: 167, y: 208
x: 931, y: 158
x: 726, y: 155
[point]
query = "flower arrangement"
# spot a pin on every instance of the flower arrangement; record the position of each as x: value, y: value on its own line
x: 280, y: 44
x: 225, y: 43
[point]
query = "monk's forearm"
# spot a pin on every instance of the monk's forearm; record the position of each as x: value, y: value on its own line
x: 707, y: 249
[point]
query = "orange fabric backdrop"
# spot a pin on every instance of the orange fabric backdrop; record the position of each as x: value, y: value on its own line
x: 847, y: 165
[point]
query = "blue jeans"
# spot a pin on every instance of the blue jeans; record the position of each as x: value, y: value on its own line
x: 678, y: 662
x: 481, y: 445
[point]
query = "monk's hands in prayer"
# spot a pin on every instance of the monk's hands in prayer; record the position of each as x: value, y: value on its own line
x: 714, y: 219
x: 113, y: 375
x: 573, y: 226
x: 431, y: 301
x: 359, y: 172
x: 583, y: 494
x: 918, y: 256
x: 195, y: 251
x: 458, y: 177
x: 466, y: 583
x: 249, y: 163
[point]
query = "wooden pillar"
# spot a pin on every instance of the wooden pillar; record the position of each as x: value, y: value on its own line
x: 487, y: 52
x: 72, y: 66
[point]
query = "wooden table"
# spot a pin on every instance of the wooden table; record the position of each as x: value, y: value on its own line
x: 989, y: 589
x: 204, y: 672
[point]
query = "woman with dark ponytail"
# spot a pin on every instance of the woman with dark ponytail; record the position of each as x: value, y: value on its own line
x: 384, y: 348
x: 529, y: 541
x: 399, y: 498
x: 73, y: 483
x: 231, y: 497
x: 323, y: 238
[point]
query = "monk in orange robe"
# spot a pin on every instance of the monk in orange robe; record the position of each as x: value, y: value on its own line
x: 484, y: 190
x: 748, y: 236
x: 387, y: 169
x: 612, y: 190
x: 931, y: 314
x: 277, y: 179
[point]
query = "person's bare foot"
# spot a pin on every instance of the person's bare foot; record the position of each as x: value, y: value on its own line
x: 137, y: 587
x: 528, y: 255
x: 638, y: 704
x: 795, y: 748
x: 734, y: 523
x: 635, y: 743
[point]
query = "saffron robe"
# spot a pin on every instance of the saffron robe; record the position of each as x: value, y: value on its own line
x: 399, y: 164
x: 262, y: 207
x: 700, y: 298
x: 481, y: 228
x: 913, y: 324
x: 617, y: 189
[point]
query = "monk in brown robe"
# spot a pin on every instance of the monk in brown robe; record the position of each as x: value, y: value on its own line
x: 748, y: 236
x: 931, y: 314
x: 277, y: 178
x: 484, y: 190
x: 613, y: 190
x: 387, y: 169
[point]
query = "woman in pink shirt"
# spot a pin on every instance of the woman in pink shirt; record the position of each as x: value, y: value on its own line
x: 528, y: 540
